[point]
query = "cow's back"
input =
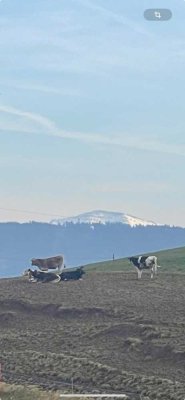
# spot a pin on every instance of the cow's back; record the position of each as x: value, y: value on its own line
x: 152, y: 260
x: 142, y: 259
x: 54, y: 259
x: 48, y: 263
x: 72, y: 275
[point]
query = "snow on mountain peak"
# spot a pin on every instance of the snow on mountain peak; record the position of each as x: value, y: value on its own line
x: 103, y: 217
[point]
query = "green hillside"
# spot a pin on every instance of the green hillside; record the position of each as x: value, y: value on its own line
x: 18, y: 392
x: 172, y: 260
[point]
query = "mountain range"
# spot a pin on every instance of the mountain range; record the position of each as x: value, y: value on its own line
x: 104, y: 217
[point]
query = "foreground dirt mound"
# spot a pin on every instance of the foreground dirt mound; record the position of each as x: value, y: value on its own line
x: 13, y: 307
x: 109, y: 332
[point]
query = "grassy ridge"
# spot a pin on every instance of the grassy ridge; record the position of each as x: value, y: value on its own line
x: 18, y: 392
x: 172, y: 260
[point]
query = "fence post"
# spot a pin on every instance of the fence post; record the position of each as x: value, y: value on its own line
x: 72, y: 385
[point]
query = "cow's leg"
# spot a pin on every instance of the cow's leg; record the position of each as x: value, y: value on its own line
x: 155, y: 266
x: 57, y: 279
x: 139, y: 273
x: 61, y: 266
x: 34, y: 280
x: 154, y: 270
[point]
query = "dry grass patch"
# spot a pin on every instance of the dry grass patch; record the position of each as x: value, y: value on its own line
x: 18, y: 392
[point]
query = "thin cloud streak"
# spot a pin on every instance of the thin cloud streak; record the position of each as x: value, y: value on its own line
x: 153, y: 187
x: 45, y: 126
x: 37, y: 118
x: 116, y: 17
x: 42, y: 88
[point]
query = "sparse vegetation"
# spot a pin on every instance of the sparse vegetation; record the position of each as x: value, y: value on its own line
x: 18, y: 392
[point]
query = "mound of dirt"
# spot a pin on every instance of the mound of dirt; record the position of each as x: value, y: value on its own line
x: 7, y: 317
x: 87, y: 329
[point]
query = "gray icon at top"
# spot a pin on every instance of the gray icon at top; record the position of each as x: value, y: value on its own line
x: 158, y: 14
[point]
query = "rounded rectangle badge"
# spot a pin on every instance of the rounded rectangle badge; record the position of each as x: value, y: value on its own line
x: 158, y: 14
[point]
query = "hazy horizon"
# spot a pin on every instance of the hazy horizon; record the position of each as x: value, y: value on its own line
x: 53, y: 218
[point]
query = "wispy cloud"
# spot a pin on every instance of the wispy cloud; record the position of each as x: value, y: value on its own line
x: 60, y: 42
x: 35, y: 87
x: 30, y: 117
x: 120, y: 19
x: 36, y: 123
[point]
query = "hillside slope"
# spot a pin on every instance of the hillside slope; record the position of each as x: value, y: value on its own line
x: 79, y: 243
x: 172, y: 260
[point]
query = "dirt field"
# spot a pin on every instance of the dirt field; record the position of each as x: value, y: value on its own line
x: 109, y: 332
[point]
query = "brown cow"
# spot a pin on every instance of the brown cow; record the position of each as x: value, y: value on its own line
x: 44, y: 264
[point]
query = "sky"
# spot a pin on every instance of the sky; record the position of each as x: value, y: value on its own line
x: 91, y: 109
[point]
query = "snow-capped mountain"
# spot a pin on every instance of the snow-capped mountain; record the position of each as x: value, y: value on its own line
x: 104, y: 217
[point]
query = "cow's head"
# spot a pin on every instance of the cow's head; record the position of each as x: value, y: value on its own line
x: 33, y: 261
x: 26, y: 272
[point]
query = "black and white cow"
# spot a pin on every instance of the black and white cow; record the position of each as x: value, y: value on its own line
x: 72, y: 275
x: 40, y: 276
x: 145, y: 262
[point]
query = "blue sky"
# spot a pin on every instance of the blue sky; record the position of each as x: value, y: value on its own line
x: 91, y: 109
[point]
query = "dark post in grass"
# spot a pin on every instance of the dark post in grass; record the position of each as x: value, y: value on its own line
x: 72, y: 385
x: 1, y: 375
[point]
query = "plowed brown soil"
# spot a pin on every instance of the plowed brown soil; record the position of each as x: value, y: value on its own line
x: 109, y: 332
